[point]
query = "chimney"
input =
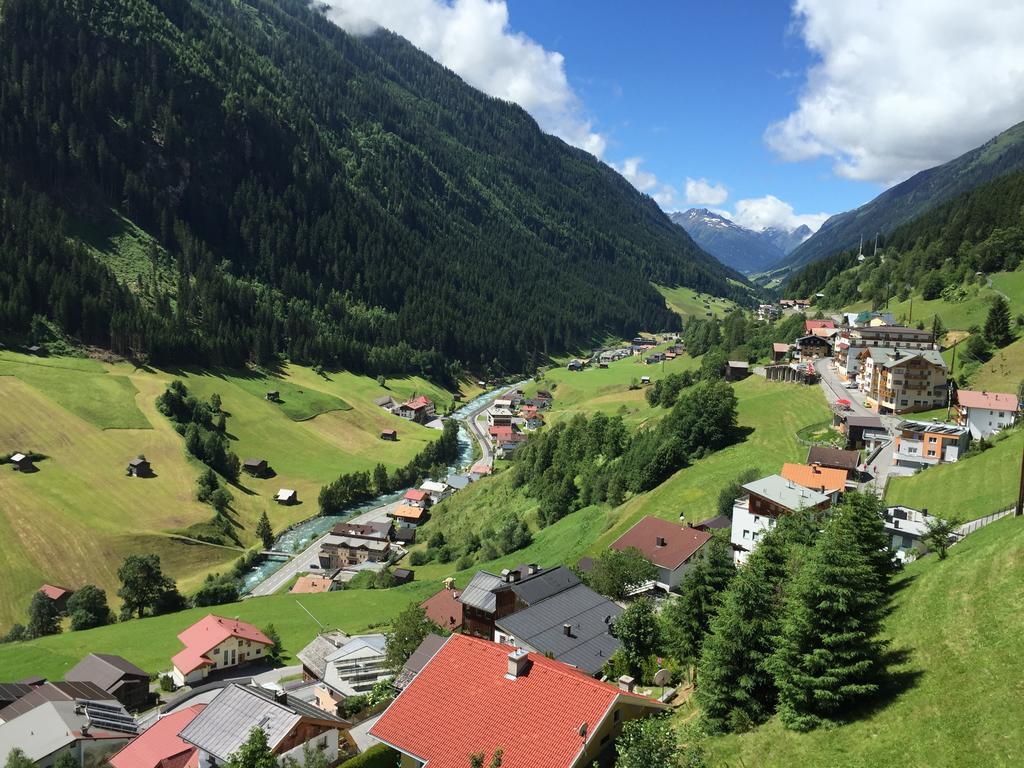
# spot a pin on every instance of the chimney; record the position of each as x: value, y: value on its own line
x: 567, y: 630
x: 506, y: 575
x: 514, y: 576
x: 532, y: 568
x: 518, y: 663
x: 660, y: 541
x: 281, y: 697
x: 626, y: 683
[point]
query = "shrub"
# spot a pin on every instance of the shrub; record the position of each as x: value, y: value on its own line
x: 166, y: 684
x: 377, y: 756
x: 419, y: 557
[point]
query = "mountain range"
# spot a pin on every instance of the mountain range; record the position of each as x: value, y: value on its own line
x: 918, y: 194
x: 736, y: 246
x: 242, y: 180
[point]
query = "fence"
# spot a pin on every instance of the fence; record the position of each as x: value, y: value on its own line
x: 981, y: 522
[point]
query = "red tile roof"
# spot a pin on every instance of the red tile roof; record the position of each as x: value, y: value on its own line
x: 416, y: 403
x: 780, y: 346
x: 995, y: 401
x: 680, y: 542
x: 159, y: 745
x: 444, y: 609
x: 415, y: 494
x: 815, y: 476
x: 54, y: 593
x: 810, y: 325
x: 472, y: 706
x: 206, y: 634
x: 407, y: 512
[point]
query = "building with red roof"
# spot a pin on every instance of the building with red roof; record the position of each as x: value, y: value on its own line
x: 419, y: 409
x: 826, y: 480
x: 811, y: 325
x: 159, y: 746
x: 215, y: 643
x: 416, y: 497
x: 444, y: 609
x: 672, y: 548
x: 407, y: 516
x: 59, y: 595
x: 480, y: 696
x: 986, y: 413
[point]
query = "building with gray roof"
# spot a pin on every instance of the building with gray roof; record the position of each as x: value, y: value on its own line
x: 114, y: 674
x: 65, y: 691
x: 314, y: 655
x: 764, y: 502
x: 90, y: 731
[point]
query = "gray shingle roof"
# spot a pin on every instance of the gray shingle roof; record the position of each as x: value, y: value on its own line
x: 785, y: 493
x: 545, y: 584
x: 314, y: 656
x: 479, y: 593
x: 590, y: 644
x: 376, y: 642
x: 53, y: 724
x: 66, y: 691
x: 105, y: 670
x: 424, y: 652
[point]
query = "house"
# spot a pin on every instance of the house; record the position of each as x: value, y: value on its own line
x: 438, y: 491
x: 986, y: 413
x: 115, y: 675
x: 60, y: 692
x: 402, y: 576
x: 810, y: 326
x: 387, y: 402
x: 444, y: 609
x: 287, y: 496
x: 407, y: 515
x: 645, y: 379
x: 256, y: 467
x: 907, y: 528
x: 379, y: 531
x: 573, y: 626
x: 767, y: 499
x: 90, y: 731
x: 813, y: 347
x: 347, y: 551
x: 458, y: 482
x: 863, y: 431
x: 488, y: 596
x: 712, y: 524
x: 767, y: 312
x: 139, y: 467
x: 214, y: 643
x: 866, y: 337
x: 671, y: 547
x: 357, y: 665
x: 314, y: 656
x: 57, y: 595
x: 223, y: 726
x: 405, y: 536
x: 418, y: 660
x: 499, y: 417
x: 21, y: 462
x: 780, y: 351
x: 159, y: 746
x: 737, y: 370
x: 416, y: 497
x: 389, y: 434
x: 826, y: 480
x: 544, y: 397
x: 835, y: 458
x: 273, y: 396
x: 419, y: 409
x: 311, y: 585
x: 922, y: 444
x: 481, y: 697
x: 900, y: 381
x: 575, y: 365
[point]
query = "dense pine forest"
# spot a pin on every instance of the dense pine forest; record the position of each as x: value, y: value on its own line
x: 335, y: 199
x: 978, y: 231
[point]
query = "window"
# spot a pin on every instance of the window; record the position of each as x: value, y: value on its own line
x: 931, y: 439
x: 605, y: 739
x: 931, y: 452
x: 618, y: 715
x: 746, y: 534
x: 757, y: 519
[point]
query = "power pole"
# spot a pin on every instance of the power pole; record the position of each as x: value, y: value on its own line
x: 1020, y: 494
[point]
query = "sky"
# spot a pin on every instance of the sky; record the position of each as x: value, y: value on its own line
x: 773, y: 113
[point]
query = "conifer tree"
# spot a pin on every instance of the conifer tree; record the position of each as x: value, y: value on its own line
x: 997, y: 324
x: 863, y: 514
x: 829, y: 654
x: 264, y: 531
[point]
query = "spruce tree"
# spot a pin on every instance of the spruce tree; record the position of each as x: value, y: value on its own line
x: 686, y: 620
x: 829, y: 654
x: 264, y: 531
x: 863, y: 514
x: 997, y: 324
x: 639, y: 632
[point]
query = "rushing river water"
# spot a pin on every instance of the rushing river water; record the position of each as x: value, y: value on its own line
x: 301, y: 535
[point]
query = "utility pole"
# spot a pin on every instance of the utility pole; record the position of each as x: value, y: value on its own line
x: 1020, y: 494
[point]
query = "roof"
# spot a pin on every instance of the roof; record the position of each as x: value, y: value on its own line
x: 900, y: 330
x: 416, y: 403
x: 866, y: 422
x: 470, y: 700
x: 55, y: 724
x: 65, y: 691
x: 718, y: 522
x: 680, y: 542
x: 17, y: 457
x: 159, y: 745
x: 479, y: 593
x: 104, y: 669
x: 375, y: 643
x: 416, y: 494
x: 407, y: 512
x: 11, y: 692
x: 254, y: 462
x: 458, y: 482
x: 810, y: 325
x: 444, y: 609
x: 544, y: 584
x: 995, y: 401
x: 361, y: 542
x: 833, y: 457
x: 432, y: 486
x: 541, y: 626
x: 224, y: 725
x: 382, y: 401
x: 424, y: 652
x: 284, y: 494
x: 138, y: 461
x: 785, y: 492
x: 206, y: 634
x: 314, y: 655
x: 54, y: 592
x: 739, y: 364
x: 934, y: 427
x: 780, y: 346
x: 815, y: 476
x: 379, y: 530
x: 308, y: 584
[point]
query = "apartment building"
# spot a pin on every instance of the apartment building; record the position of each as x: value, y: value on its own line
x: 897, y: 380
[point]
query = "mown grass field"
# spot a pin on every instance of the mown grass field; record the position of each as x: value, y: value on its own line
x: 74, y: 520
x: 1004, y: 372
x: 968, y: 489
x: 687, y: 302
x: 959, y: 624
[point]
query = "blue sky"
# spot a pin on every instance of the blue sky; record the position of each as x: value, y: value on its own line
x: 773, y: 112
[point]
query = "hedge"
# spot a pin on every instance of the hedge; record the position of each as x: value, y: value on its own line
x: 377, y: 756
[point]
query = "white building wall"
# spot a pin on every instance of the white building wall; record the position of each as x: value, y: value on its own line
x: 747, y: 529
x: 984, y: 422
x: 327, y: 743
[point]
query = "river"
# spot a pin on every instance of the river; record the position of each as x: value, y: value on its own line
x: 301, y: 535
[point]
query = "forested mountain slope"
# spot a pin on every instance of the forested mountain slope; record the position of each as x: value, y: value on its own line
x: 913, y: 197
x: 339, y: 199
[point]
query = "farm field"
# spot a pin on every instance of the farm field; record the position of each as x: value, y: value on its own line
x: 970, y: 488
x: 958, y: 625
x: 74, y: 520
x: 686, y: 302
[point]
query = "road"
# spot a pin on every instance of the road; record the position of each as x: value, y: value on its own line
x: 835, y: 389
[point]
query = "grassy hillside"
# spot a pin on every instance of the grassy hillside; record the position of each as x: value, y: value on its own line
x: 74, y: 520
x: 970, y: 488
x: 1004, y: 372
x: 956, y: 629
x: 687, y: 302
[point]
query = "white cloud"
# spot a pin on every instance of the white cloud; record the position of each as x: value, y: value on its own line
x: 473, y: 39
x: 703, y: 192
x: 757, y: 213
x: 664, y: 195
x: 902, y: 86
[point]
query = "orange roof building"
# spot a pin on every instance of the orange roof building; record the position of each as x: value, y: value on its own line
x: 406, y: 513
x: 309, y: 585
x: 481, y: 696
x: 214, y: 643
x: 815, y: 477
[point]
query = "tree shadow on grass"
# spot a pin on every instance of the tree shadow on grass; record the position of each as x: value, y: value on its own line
x: 896, y: 680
